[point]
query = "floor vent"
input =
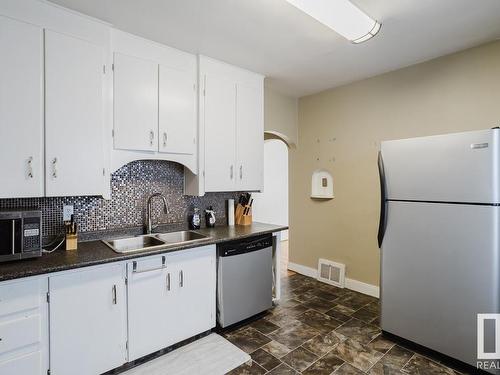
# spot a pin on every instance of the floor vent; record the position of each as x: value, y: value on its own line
x: 331, y: 273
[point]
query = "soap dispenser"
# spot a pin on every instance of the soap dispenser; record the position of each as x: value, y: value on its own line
x: 195, y: 219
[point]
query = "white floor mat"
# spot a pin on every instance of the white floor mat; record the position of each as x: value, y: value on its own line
x: 210, y: 355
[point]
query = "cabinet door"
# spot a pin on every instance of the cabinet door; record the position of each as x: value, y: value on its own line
x: 135, y: 103
x: 195, y: 278
x: 27, y: 364
x: 249, y: 137
x: 21, y: 109
x: 87, y: 321
x: 151, y: 306
x: 177, y: 116
x: 74, y: 150
x: 220, y: 133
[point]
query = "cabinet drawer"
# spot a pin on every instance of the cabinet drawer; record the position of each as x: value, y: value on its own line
x: 18, y: 333
x: 30, y: 364
x: 19, y: 296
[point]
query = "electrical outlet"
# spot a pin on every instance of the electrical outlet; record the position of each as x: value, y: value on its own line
x: 67, y: 212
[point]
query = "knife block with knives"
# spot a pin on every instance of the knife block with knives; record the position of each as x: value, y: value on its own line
x: 243, y: 211
x: 70, y: 229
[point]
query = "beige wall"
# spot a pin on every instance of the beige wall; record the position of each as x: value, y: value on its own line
x: 281, y: 116
x: 341, y: 130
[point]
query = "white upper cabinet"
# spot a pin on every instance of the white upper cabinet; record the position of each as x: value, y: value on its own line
x: 220, y: 133
x: 74, y: 161
x: 177, y: 111
x: 21, y: 109
x: 155, y: 102
x: 232, y: 117
x: 249, y: 137
x: 135, y: 103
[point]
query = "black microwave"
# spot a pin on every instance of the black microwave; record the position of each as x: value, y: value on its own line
x: 20, y: 234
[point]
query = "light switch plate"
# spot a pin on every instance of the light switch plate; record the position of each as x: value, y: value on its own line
x: 67, y: 212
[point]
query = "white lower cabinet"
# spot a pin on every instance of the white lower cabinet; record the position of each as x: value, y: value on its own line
x: 195, y: 280
x: 170, y: 298
x: 151, y: 306
x: 150, y: 302
x: 23, y: 327
x: 88, y: 324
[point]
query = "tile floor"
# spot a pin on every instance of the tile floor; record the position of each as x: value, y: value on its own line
x: 318, y: 329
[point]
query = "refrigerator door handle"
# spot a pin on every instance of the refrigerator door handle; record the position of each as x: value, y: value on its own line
x: 383, y: 201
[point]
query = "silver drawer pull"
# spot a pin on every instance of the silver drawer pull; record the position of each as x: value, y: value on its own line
x: 13, y: 237
x: 231, y: 172
x: 115, y: 300
x: 181, y: 279
x: 241, y: 172
x: 168, y: 281
x: 151, y: 137
x: 165, y: 139
x: 163, y: 262
x: 30, y: 167
x: 54, y: 168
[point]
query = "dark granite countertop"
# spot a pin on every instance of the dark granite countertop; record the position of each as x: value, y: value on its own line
x: 91, y: 253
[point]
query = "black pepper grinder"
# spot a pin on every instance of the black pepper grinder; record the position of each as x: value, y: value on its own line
x: 210, y: 217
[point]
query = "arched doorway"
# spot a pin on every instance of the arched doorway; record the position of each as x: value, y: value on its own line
x: 271, y: 205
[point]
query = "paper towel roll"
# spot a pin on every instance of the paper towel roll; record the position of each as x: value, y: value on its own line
x: 230, y: 212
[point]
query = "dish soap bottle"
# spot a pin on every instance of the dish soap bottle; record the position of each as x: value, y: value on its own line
x: 195, y: 219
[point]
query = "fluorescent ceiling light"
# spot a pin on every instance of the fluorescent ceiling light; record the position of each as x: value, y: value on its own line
x: 342, y: 16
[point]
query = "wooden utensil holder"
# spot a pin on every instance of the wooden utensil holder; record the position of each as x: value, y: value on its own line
x: 239, y: 216
x: 71, y: 241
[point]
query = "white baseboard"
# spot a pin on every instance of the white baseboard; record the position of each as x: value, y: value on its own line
x: 357, y: 286
x: 303, y: 270
x: 361, y: 287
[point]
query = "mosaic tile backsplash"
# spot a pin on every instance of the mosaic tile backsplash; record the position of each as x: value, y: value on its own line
x: 131, y: 186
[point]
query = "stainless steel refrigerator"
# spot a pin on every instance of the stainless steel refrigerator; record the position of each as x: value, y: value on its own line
x: 439, y: 238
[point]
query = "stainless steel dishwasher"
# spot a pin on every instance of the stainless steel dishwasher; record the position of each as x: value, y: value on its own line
x: 244, y: 278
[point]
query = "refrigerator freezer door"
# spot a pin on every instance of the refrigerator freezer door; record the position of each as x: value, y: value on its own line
x: 460, y: 167
x: 440, y: 268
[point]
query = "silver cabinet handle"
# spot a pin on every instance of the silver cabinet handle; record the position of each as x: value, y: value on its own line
x: 181, y: 279
x: 151, y: 137
x: 30, y: 167
x: 54, y: 168
x: 115, y: 299
x: 13, y: 237
x: 168, y: 282
x: 165, y: 138
x: 231, y: 172
x: 163, y: 261
x: 241, y: 172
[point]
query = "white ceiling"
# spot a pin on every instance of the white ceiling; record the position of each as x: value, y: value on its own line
x: 299, y: 55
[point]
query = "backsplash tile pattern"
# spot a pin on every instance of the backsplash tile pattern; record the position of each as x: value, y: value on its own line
x: 131, y: 185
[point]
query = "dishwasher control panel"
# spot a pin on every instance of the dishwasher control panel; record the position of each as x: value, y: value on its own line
x: 244, y: 245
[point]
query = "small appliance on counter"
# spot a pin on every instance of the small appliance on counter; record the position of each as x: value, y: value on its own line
x: 195, y: 219
x: 20, y: 234
x: 210, y: 217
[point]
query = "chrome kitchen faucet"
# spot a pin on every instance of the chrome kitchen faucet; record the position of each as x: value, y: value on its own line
x: 149, y: 226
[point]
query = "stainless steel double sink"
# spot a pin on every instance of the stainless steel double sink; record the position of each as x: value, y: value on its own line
x: 154, y: 241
